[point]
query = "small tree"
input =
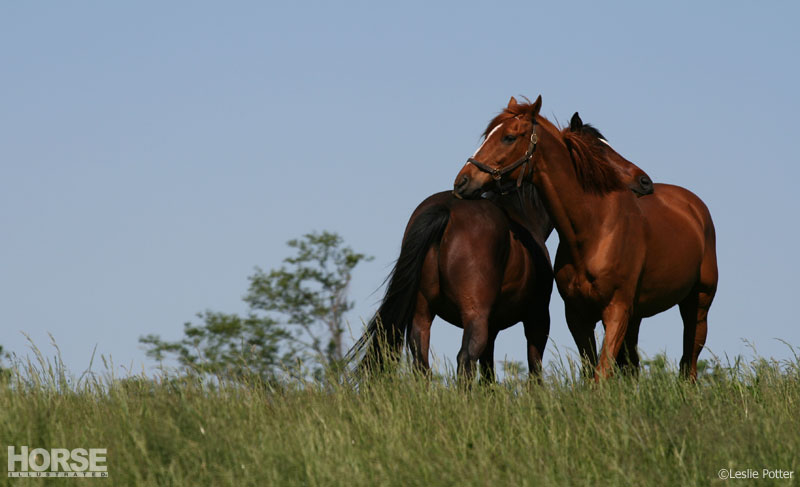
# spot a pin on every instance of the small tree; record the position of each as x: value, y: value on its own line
x: 309, y: 292
x: 228, y: 345
x: 659, y: 364
x: 296, y: 316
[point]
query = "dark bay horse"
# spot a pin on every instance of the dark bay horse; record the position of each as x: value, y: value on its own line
x: 619, y: 259
x: 479, y: 264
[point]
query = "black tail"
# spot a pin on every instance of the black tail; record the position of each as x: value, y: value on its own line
x: 392, y: 320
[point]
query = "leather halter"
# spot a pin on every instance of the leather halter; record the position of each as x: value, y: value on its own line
x: 498, y: 172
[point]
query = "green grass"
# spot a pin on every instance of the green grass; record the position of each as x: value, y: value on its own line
x: 403, y: 430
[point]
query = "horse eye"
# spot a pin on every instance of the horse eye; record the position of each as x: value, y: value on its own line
x: 508, y: 139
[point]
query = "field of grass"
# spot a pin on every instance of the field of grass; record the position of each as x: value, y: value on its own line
x: 404, y: 430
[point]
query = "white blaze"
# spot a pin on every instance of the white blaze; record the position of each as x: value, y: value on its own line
x: 486, y: 139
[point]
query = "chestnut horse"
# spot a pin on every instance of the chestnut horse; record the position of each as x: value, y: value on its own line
x: 619, y: 259
x: 481, y: 265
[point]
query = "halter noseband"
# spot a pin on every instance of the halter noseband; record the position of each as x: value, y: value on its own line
x: 497, y: 173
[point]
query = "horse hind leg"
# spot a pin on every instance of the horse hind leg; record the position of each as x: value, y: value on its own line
x: 488, y: 374
x: 694, y: 308
x: 473, y: 343
x: 694, y: 312
x: 537, y: 331
x: 419, y: 334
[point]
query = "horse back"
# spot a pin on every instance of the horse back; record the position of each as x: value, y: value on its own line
x: 437, y: 199
x: 484, y: 259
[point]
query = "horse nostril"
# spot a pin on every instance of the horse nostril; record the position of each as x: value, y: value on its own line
x: 645, y: 181
x: 463, y: 182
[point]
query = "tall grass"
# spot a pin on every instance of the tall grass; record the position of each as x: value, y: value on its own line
x: 400, y: 429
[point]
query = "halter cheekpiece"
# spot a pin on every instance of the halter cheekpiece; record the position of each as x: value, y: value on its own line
x: 497, y: 173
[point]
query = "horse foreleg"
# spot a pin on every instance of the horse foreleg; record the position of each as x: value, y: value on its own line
x: 615, y: 320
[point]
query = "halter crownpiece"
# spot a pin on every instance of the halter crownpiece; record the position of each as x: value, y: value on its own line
x: 497, y: 173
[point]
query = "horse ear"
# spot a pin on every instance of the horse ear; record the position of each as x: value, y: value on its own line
x: 512, y: 102
x: 575, y: 123
x: 537, y: 105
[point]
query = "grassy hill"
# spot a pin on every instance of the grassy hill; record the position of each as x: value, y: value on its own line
x: 403, y: 430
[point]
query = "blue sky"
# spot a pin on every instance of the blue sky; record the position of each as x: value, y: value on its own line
x: 153, y: 153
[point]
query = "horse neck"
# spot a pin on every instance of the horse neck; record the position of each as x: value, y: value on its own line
x: 575, y: 213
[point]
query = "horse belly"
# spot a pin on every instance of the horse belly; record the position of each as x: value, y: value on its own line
x: 671, y: 270
x: 661, y: 296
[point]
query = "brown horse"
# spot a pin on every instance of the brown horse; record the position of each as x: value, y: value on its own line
x: 619, y: 259
x: 481, y: 265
